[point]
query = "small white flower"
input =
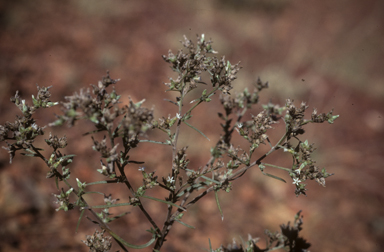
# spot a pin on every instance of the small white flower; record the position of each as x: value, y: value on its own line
x: 178, y: 116
x: 296, y: 181
x: 240, y: 125
x: 170, y: 180
x: 297, y: 171
x: 141, y: 168
x: 34, y: 126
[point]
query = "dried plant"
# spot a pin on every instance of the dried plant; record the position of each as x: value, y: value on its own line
x: 130, y: 125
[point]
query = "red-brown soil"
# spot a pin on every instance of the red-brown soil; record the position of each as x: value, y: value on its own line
x: 328, y: 53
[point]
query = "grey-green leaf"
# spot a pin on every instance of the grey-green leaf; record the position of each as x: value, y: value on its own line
x: 131, y: 245
x: 185, y: 224
x: 218, y: 205
x: 197, y: 130
x: 275, y: 177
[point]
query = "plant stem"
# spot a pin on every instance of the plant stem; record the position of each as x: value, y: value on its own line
x: 140, y: 204
x: 100, y: 221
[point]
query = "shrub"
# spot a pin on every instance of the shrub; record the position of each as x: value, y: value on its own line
x: 126, y: 127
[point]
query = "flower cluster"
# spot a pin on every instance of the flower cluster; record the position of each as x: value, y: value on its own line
x: 105, y: 215
x: 223, y: 73
x: 110, y: 154
x: 100, y: 107
x: 181, y: 160
x: 261, y: 123
x: 287, y: 238
x: 242, y: 100
x: 322, y: 117
x: 24, y: 130
x: 303, y: 166
x: 137, y: 120
x: 94, y: 105
x: 57, y: 159
x: 98, y: 243
x: 190, y: 65
x: 63, y: 200
x: 149, y: 180
x: 56, y: 143
x: 306, y: 166
x: 295, y: 118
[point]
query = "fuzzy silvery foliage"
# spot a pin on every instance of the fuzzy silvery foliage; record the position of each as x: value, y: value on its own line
x: 131, y: 124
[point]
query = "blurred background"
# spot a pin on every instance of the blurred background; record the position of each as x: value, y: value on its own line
x: 327, y: 53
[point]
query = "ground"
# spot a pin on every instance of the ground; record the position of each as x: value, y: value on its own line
x: 326, y: 53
